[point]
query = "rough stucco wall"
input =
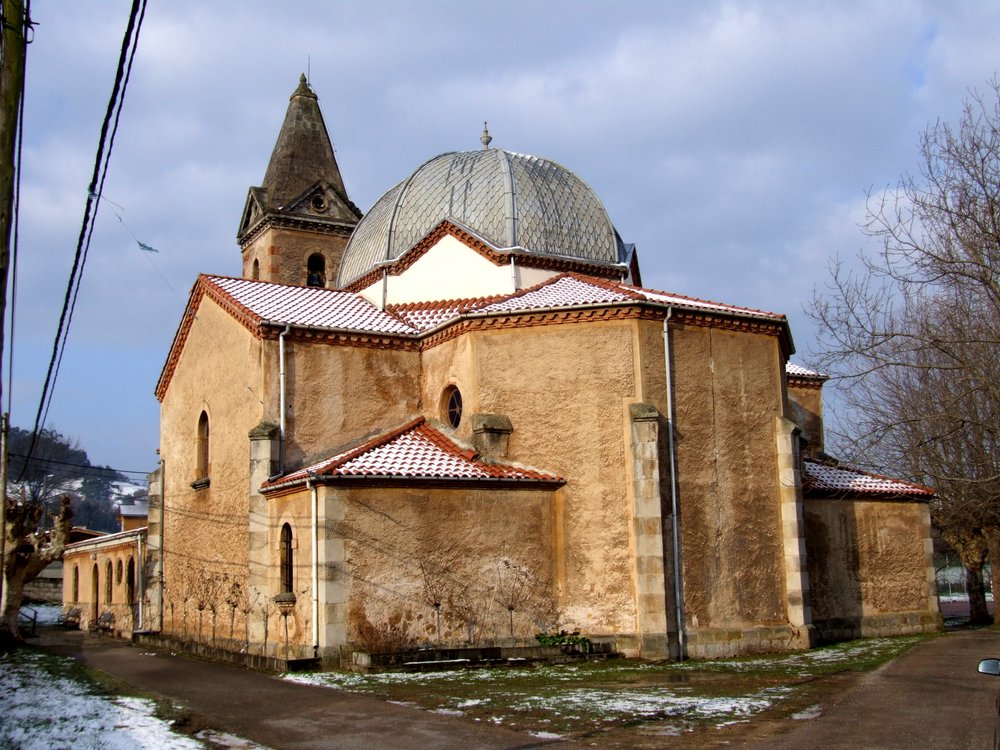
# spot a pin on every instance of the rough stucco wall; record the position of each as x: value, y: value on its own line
x: 806, y: 406
x: 338, y: 394
x: 283, y: 253
x: 205, y: 531
x: 404, y: 547
x: 296, y: 511
x: 727, y: 397
x: 866, y: 558
x: 564, y: 387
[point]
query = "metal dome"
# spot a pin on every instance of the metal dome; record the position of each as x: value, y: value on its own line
x: 510, y: 200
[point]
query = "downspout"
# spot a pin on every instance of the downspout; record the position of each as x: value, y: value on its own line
x: 163, y: 502
x: 674, y: 503
x: 314, y: 530
x: 140, y: 568
x: 385, y: 286
x: 281, y: 400
x: 513, y: 274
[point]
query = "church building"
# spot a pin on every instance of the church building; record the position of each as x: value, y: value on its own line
x: 459, y: 418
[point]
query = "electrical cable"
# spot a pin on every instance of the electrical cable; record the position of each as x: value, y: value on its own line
x: 100, y: 188
x: 28, y: 24
x: 130, y: 42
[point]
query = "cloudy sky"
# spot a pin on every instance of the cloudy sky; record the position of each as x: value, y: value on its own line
x: 733, y: 142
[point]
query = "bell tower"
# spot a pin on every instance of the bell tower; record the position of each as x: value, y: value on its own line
x: 295, y: 226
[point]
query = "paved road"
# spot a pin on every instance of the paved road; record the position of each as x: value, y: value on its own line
x: 930, y: 697
x: 277, y: 713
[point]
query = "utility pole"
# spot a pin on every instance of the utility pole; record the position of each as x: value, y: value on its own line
x: 14, y: 42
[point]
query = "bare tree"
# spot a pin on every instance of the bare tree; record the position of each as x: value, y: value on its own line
x: 911, y: 338
x: 28, y: 549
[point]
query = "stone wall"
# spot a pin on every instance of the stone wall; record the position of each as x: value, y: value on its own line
x: 869, y: 567
x: 729, y: 401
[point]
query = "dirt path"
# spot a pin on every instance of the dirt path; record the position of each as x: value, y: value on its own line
x: 274, y: 712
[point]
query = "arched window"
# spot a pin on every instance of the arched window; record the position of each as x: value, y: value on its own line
x: 203, y: 465
x: 451, y: 406
x: 255, y: 269
x: 108, y: 581
x: 130, y: 582
x: 286, y: 559
x: 118, y: 573
x: 76, y: 583
x: 316, y: 270
x: 95, y: 588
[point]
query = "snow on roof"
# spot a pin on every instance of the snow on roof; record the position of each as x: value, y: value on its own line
x: 426, y: 315
x: 798, y: 371
x: 308, y: 306
x: 138, y: 509
x: 414, y: 451
x: 334, y: 308
x: 844, y: 479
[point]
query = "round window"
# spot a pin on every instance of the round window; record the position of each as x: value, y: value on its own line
x: 452, y: 405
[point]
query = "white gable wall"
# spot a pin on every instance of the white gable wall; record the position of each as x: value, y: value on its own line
x: 451, y: 270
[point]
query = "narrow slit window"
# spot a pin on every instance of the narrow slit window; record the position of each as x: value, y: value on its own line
x: 286, y: 559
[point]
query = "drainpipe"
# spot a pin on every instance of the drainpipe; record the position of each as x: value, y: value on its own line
x: 385, y: 286
x: 674, y: 504
x: 314, y: 530
x: 163, y: 534
x: 513, y: 274
x: 281, y: 400
x: 140, y: 569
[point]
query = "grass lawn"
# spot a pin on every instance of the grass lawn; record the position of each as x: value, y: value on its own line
x: 623, y: 703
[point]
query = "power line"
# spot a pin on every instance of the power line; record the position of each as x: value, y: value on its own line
x: 36, y: 459
x: 101, y: 161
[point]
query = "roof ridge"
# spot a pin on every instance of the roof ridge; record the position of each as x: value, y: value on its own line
x: 717, y: 303
x: 444, y: 303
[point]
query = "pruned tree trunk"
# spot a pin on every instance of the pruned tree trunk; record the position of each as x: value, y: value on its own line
x: 992, y: 535
x: 27, y: 551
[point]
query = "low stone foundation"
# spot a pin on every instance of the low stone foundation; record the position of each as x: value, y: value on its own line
x: 837, y: 629
x: 430, y: 660
x: 715, y: 643
x: 258, y: 662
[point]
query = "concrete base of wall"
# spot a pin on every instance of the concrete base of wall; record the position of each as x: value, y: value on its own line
x: 837, y: 629
x: 714, y: 643
x: 258, y: 662
x: 430, y: 660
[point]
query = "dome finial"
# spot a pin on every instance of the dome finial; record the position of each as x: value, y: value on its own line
x: 485, y: 138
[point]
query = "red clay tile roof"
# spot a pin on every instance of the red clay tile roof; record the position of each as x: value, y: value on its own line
x: 313, y: 307
x: 415, y: 451
x: 843, y: 479
x: 798, y: 371
x: 426, y: 315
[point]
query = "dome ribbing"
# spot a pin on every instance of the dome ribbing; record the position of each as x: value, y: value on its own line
x: 511, y: 200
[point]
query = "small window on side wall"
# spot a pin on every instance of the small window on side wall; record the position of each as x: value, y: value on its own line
x: 203, y: 464
x: 286, y: 559
x: 255, y: 270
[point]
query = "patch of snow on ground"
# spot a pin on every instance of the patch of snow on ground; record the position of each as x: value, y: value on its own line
x: 805, y: 714
x: 546, y: 735
x: 228, y: 741
x: 615, y: 704
x: 30, y: 719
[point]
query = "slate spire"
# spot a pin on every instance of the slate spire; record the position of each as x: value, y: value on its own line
x: 303, y: 153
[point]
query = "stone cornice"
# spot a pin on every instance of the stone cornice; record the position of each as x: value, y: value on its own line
x: 317, y: 224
